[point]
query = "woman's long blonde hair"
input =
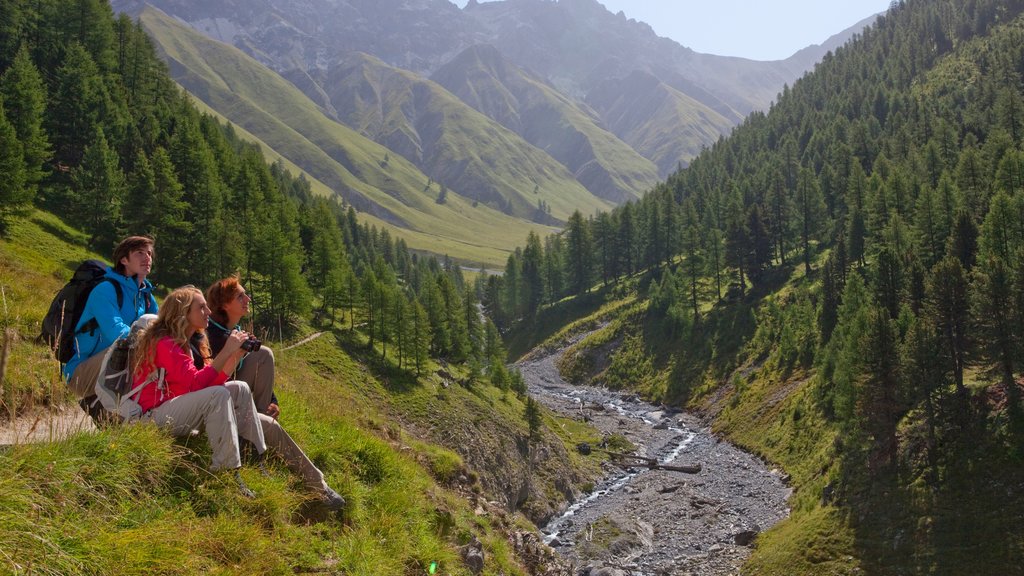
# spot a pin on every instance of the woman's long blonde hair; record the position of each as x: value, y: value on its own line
x: 172, y: 321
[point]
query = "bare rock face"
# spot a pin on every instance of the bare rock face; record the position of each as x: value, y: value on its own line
x: 473, y: 555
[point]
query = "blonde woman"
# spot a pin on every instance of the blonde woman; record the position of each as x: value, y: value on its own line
x: 184, y: 397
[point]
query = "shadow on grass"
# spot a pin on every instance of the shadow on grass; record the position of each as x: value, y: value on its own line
x: 394, y: 379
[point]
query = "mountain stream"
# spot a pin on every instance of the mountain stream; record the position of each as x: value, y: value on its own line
x: 639, y: 521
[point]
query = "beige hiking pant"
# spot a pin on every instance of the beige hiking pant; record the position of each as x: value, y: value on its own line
x: 83, y: 380
x: 227, y: 412
x: 282, y: 446
x: 258, y: 372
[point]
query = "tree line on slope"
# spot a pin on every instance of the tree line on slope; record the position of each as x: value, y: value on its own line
x: 892, y: 177
x: 93, y: 129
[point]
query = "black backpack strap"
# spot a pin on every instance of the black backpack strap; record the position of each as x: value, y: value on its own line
x: 117, y: 290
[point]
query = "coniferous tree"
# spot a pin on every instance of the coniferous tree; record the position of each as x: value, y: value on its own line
x: 99, y: 191
x: 737, y: 245
x: 23, y: 97
x: 831, y: 288
x: 879, y: 405
x: 949, y: 308
x: 532, y: 415
x: 554, y: 272
x: 627, y: 239
x: 963, y: 243
x: 12, y: 167
x: 419, y: 346
x: 533, y: 274
x: 925, y: 378
x: 579, y: 248
x: 888, y: 282
x: 994, y: 317
x: 760, y: 252
x: 810, y: 212
x: 75, y: 107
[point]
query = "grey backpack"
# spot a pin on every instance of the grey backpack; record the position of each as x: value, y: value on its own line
x: 116, y: 400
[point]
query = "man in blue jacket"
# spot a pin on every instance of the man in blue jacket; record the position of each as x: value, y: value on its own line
x: 133, y: 260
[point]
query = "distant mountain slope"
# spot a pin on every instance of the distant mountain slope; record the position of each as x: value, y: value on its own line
x: 657, y: 120
x: 567, y: 130
x: 575, y: 46
x: 451, y: 142
x: 360, y: 170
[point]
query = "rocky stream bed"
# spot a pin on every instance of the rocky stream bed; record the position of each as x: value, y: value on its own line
x: 639, y: 521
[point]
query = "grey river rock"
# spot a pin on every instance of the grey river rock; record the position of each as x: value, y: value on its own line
x: 658, y: 522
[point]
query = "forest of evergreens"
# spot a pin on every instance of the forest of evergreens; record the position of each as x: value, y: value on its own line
x: 890, y: 181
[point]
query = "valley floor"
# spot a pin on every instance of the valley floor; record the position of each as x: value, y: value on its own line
x: 659, y: 521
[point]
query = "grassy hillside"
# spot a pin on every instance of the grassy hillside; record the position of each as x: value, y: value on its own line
x: 455, y: 144
x: 659, y: 121
x: 376, y: 182
x: 569, y: 131
x: 131, y: 500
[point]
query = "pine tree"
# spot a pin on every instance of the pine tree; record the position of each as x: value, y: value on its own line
x: 963, y: 242
x: 949, y: 307
x: 99, y: 187
x: 810, y: 212
x: 924, y: 378
x: 532, y: 277
x: 994, y: 316
x: 23, y: 97
x: 419, y: 346
x: 579, y: 247
x: 12, y: 168
x: 532, y: 415
x: 75, y: 106
x: 879, y: 407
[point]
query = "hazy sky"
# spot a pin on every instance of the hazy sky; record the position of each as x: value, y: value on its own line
x: 757, y: 29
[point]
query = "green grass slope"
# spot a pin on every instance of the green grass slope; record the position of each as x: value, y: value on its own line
x: 383, y: 185
x: 549, y: 120
x: 458, y: 146
x: 659, y: 121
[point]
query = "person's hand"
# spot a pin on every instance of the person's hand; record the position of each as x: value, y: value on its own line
x: 273, y: 410
x: 233, y: 344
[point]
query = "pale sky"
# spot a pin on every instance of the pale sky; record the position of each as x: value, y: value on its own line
x: 755, y: 29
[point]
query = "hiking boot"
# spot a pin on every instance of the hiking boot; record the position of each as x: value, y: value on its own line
x: 245, y: 491
x: 331, y: 499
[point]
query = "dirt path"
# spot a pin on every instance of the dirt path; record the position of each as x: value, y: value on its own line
x: 45, y: 425
x: 657, y: 522
x: 309, y: 338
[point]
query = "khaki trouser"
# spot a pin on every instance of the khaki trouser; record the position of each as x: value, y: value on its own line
x: 258, y: 372
x: 83, y: 381
x: 227, y: 412
x: 294, y: 458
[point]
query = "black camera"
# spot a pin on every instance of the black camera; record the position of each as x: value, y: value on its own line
x: 251, y: 345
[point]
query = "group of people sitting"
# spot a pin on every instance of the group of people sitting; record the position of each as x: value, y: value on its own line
x: 212, y: 373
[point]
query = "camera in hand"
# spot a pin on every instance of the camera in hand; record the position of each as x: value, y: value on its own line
x: 251, y: 345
